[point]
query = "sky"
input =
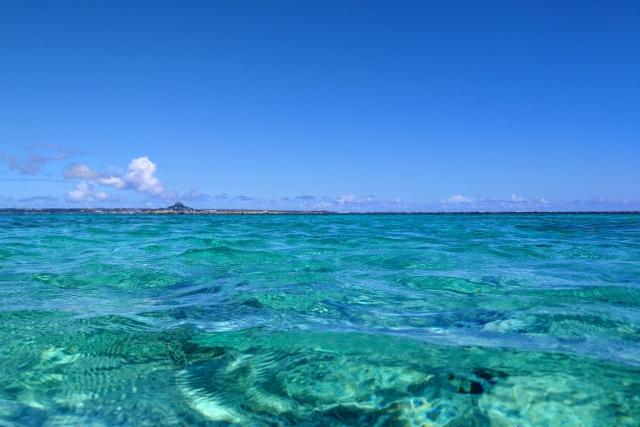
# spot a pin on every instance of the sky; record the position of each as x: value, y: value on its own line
x: 333, y: 105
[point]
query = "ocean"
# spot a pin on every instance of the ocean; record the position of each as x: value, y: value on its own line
x: 320, y: 320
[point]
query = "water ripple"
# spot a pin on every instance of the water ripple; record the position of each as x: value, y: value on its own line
x: 320, y: 320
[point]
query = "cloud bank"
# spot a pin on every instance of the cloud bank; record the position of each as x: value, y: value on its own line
x: 491, y: 204
x: 35, y: 162
x: 540, y: 204
x: 194, y: 195
x: 352, y: 203
x: 88, y: 192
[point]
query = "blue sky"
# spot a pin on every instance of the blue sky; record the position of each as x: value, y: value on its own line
x: 340, y: 105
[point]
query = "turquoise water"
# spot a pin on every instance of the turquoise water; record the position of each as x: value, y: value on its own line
x: 389, y: 320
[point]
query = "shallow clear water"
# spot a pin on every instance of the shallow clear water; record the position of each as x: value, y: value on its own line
x: 399, y: 320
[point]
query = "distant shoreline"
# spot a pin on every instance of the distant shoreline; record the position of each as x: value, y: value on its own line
x: 189, y: 211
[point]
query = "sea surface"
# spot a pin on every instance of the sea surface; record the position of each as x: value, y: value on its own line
x: 320, y: 320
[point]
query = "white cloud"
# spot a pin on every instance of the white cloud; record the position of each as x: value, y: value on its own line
x: 513, y: 203
x: 457, y: 199
x: 351, y: 203
x: 346, y: 199
x: 1, y: 193
x: 191, y: 194
x: 86, y: 192
x: 139, y: 177
x: 81, y: 171
x: 114, y: 181
x: 194, y: 195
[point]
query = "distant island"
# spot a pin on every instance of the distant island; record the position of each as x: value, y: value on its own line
x: 175, y: 209
x: 180, y: 209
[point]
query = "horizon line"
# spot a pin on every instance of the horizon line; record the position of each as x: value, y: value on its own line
x: 212, y: 211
